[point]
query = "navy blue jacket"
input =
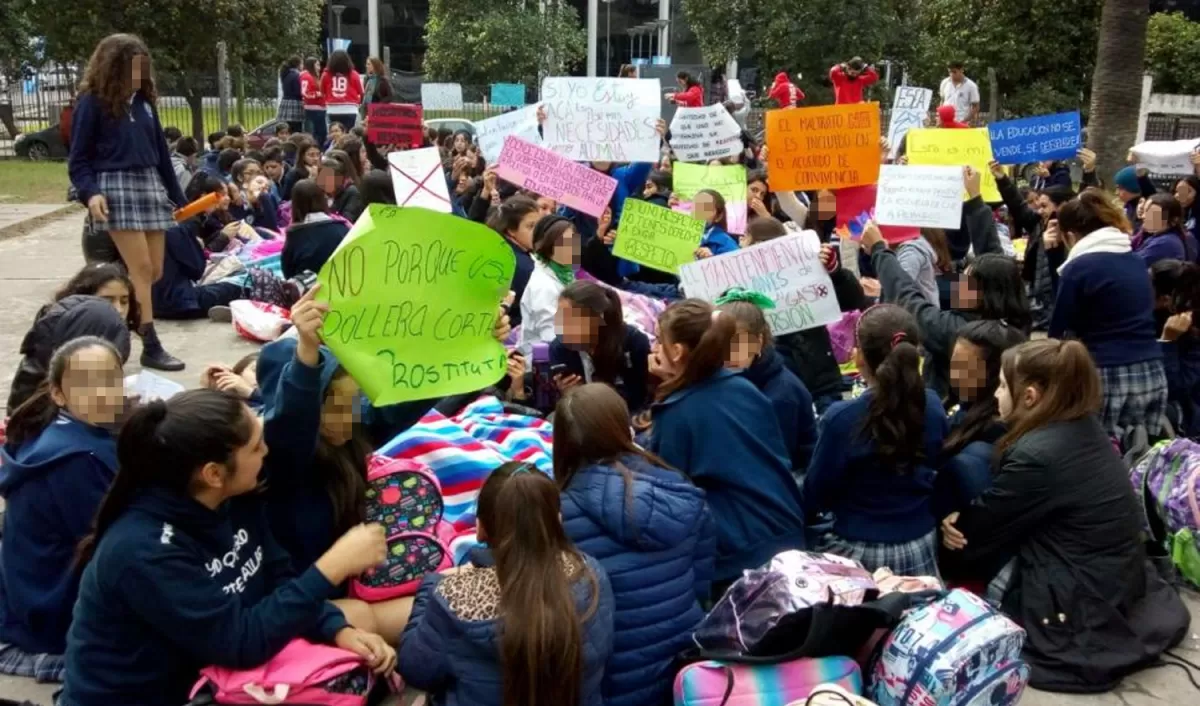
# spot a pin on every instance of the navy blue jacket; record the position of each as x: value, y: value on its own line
x: 264, y: 214
x: 520, y: 280
x: 457, y: 659
x: 655, y: 539
x: 1181, y: 358
x: 174, y: 587
x: 633, y: 379
x: 290, y: 83
x: 872, y: 502
x: 792, y: 402
x: 722, y: 433
x: 105, y: 143
x: 310, y: 245
x: 52, y: 486
x: 183, y: 266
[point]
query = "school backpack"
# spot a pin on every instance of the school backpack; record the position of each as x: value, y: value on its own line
x: 1167, y: 479
x: 954, y: 651
x: 722, y: 683
x: 301, y: 673
x: 406, y: 498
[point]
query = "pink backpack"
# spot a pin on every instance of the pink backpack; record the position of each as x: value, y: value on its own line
x: 302, y: 673
x: 406, y: 498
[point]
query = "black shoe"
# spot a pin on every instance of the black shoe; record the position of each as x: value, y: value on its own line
x: 161, y: 360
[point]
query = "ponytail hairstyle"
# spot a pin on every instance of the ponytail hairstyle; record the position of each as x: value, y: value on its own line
x: 164, y: 444
x: 705, y: 332
x: 36, y: 413
x: 541, y: 643
x: 92, y: 279
x: 507, y: 216
x: 1066, y: 376
x: 1088, y: 213
x: 746, y: 308
x: 722, y: 218
x: 608, y: 355
x: 888, y: 340
x: 993, y: 338
x: 307, y: 198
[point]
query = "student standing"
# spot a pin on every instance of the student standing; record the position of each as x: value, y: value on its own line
x: 785, y: 93
x: 961, y: 92
x: 121, y: 167
x: 291, y: 102
x: 690, y: 94
x: 343, y: 89
x: 850, y: 79
x: 314, y: 100
x: 378, y: 88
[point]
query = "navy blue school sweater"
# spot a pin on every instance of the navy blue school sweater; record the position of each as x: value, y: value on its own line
x: 1105, y: 298
x: 101, y: 142
x: 632, y: 380
x: 722, y: 433
x: 792, y: 402
x: 264, y: 214
x: 872, y: 502
x: 520, y: 280
x: 290, y: 83
x: 183, y: 265
x: 310, y: 245
x: 52, y: 486
x: 175, y: 586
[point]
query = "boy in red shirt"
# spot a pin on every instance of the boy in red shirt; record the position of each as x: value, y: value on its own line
x: 851, y: 79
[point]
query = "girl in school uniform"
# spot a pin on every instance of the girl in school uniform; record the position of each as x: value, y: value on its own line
x: 121, y: 167
x: 1176, y: 295
x: 339, y: 177
x: 342, y: 87
x: 876, y: 456
x: 709, y: 206
x: 530, y: 622
x: 55, y: 468
x: 291, y: 104
x: 314, y: 100
x: 314, y: 233
x: 181, y: 570
x: 555, y: 255
x: 308, y: 166
x: 716, y: 427
x: 515, y: 219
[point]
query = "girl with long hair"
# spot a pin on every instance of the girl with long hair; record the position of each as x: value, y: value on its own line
x: 314, y: 234
x: 308, y: 166
x: 690, y: 94
x: 291, y: 101
x: 314, y: 100
x: 1057, y: 537
x: 342, y: 87
x: 1176, y: 296
x: 378, y: 88
x: 515, y: 219
x: 339, y: 177
x: 121, y: 167
x: 110, y: 283
x: 1187, y: 193
x: 533, y: 616
x: 555, y: 257
x: 876, y: 458
x: 646, y: 524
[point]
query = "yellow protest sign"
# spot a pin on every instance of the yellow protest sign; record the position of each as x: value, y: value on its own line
x: 413, y: 297
x: 955, y: 147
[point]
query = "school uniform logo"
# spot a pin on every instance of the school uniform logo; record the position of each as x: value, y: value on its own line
x: 229, y: 562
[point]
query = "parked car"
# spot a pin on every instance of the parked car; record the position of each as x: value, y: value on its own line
x: 41, y: 145
x: 256, y: 138
x: 452, y: 124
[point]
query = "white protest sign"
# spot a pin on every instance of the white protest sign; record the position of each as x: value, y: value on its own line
x: 441, y: 96
x: 1162, y: 157
x: 787, y: 269
x: 921, y: 196
x: 602, y: 119
x: 909, y: 109
x: 703, y: 134
x: 520, y: 123
x: 418, y: 179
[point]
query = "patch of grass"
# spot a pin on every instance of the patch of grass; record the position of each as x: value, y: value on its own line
x: 33, y: 182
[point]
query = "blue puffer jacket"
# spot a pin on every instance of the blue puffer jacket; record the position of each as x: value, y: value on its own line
x: 657, y: 542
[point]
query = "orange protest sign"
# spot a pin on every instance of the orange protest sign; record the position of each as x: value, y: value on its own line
x: 827, y: 147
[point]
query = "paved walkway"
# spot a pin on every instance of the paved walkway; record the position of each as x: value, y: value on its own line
x: 34, y: 265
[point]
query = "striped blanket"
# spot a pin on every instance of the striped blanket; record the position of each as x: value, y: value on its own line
x: 462, y: 450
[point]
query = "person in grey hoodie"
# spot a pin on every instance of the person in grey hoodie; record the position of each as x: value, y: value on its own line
x: 918, y: 259
x: 183, y: 159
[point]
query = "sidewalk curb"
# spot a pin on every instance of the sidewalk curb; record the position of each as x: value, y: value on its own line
x: 22, y: 227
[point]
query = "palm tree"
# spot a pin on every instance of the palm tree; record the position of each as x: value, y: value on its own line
x: 1117, y: 82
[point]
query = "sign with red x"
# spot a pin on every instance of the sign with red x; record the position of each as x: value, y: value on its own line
x: 419, y: 180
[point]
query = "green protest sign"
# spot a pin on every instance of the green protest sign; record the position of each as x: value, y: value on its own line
x: 414, y: 296
x: 728, y: 180
x: 657, y: 237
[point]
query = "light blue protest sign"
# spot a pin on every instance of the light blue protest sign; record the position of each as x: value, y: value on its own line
x: 1046, y: 137
x: 508, y: 94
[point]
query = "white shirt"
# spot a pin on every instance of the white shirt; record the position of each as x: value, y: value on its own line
x: 960, y: 96
x: 539, y: 302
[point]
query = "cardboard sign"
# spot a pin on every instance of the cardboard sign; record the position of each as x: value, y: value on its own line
x: 927, y: 197
x: 787, y: 269
x: 955, y: 148
x: 703, y: 134
x: 490, y: 133
x: 728, y: 180
x: 508, y: 94
x: 657, y: 237
x: 909, y: 110
x: 546, y: 173
x: 413, y: 298
x: 441, y: 96
x: 395, y: 124
x: 419, y: 180
x: 602, y: 119
x: 827, y: 147
x: 1044, y: 138
x: 1167, y: 157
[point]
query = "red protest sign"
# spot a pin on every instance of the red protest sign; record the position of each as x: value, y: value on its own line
x: 395, y: 124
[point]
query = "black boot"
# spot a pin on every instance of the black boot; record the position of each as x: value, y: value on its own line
x: 154, y: 356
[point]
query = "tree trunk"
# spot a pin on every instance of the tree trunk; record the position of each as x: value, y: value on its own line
x: 195, y: 101
x: 1117, y: 83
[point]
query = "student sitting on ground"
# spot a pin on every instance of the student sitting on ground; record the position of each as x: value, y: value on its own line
x: 255, y: 203
x: 709, y: 206
x: 1176, y: 294
x: 308, y: 166
x: 514, y: 220
x: 339, y: 178
x: 530, y: 623
x: 240, y: 380
x: 555, y: 255
x: 56, y: 466
x: 314, y: 233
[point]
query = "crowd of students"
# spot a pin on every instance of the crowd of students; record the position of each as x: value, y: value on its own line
x: 140, y: 546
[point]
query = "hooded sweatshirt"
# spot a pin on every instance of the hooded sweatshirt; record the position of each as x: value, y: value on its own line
x: 792, y: 402
x: 175, y: 587
x: 784, y: 92
x: 918, y: 259
x: 655, y: 538
x: 52, y: 486
x: 946, y: 117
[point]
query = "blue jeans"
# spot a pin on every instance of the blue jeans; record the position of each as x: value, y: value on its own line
x: 314, y: 123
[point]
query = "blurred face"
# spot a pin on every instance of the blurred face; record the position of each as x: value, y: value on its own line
x: 252, y: 170
x: 757, y: 190
x: 523, y: 235
x: 283, y: 132
x: 852, y: 72
x: 1125, y: 195
x: 826, y: 205
x: 649, y: 189
x: 336, y: 130
x: 464, y: 183
x: 743, y: 350
x: 681, y: 83
x: 93, y: 387
x: 117, y: 294
x: 1045, y: 207
x: 1185, y: 194
x: 705, y: 207
x: 273, y: 170
x: 579, y: 330
x: 1155, y: 221
x: 964, y: 294
x: 667, y: 358
x: 328, y: 180
x: 957, y: 75
x: 138, y: 70
x: 312, y: 156
x: 968, y: 370
x: 546, y: 205
x: 602, y: 166
x: 340, y: 411
x: 564, y: 251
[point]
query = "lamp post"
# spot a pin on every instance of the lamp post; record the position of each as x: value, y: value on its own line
x: 337, y: 18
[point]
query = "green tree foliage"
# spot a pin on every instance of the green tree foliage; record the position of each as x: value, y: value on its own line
x: 1173, y: 53
x: 718, y: 26
x: 16, y: 37
x: 478, y: 43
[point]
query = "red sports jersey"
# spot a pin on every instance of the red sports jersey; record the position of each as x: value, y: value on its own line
x: 342, y: 90
x: 310, y: 89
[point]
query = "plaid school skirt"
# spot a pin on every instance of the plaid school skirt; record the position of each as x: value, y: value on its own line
x: 1134, y: 394
x: 290, y: 111
x: 137, y: 200
x: 41, y: 667
x: 913, y: 558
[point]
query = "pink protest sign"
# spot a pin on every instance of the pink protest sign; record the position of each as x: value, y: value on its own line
x: 544, y: 172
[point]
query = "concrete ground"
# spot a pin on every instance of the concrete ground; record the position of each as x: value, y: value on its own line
x: 34, y: 264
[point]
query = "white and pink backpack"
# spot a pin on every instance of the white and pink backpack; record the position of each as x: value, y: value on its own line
x: 302, y: 673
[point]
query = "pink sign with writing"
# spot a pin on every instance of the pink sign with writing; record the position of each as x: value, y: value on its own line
x: 543, y: 172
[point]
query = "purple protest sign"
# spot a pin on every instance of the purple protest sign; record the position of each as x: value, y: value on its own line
x: 544, y: 172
